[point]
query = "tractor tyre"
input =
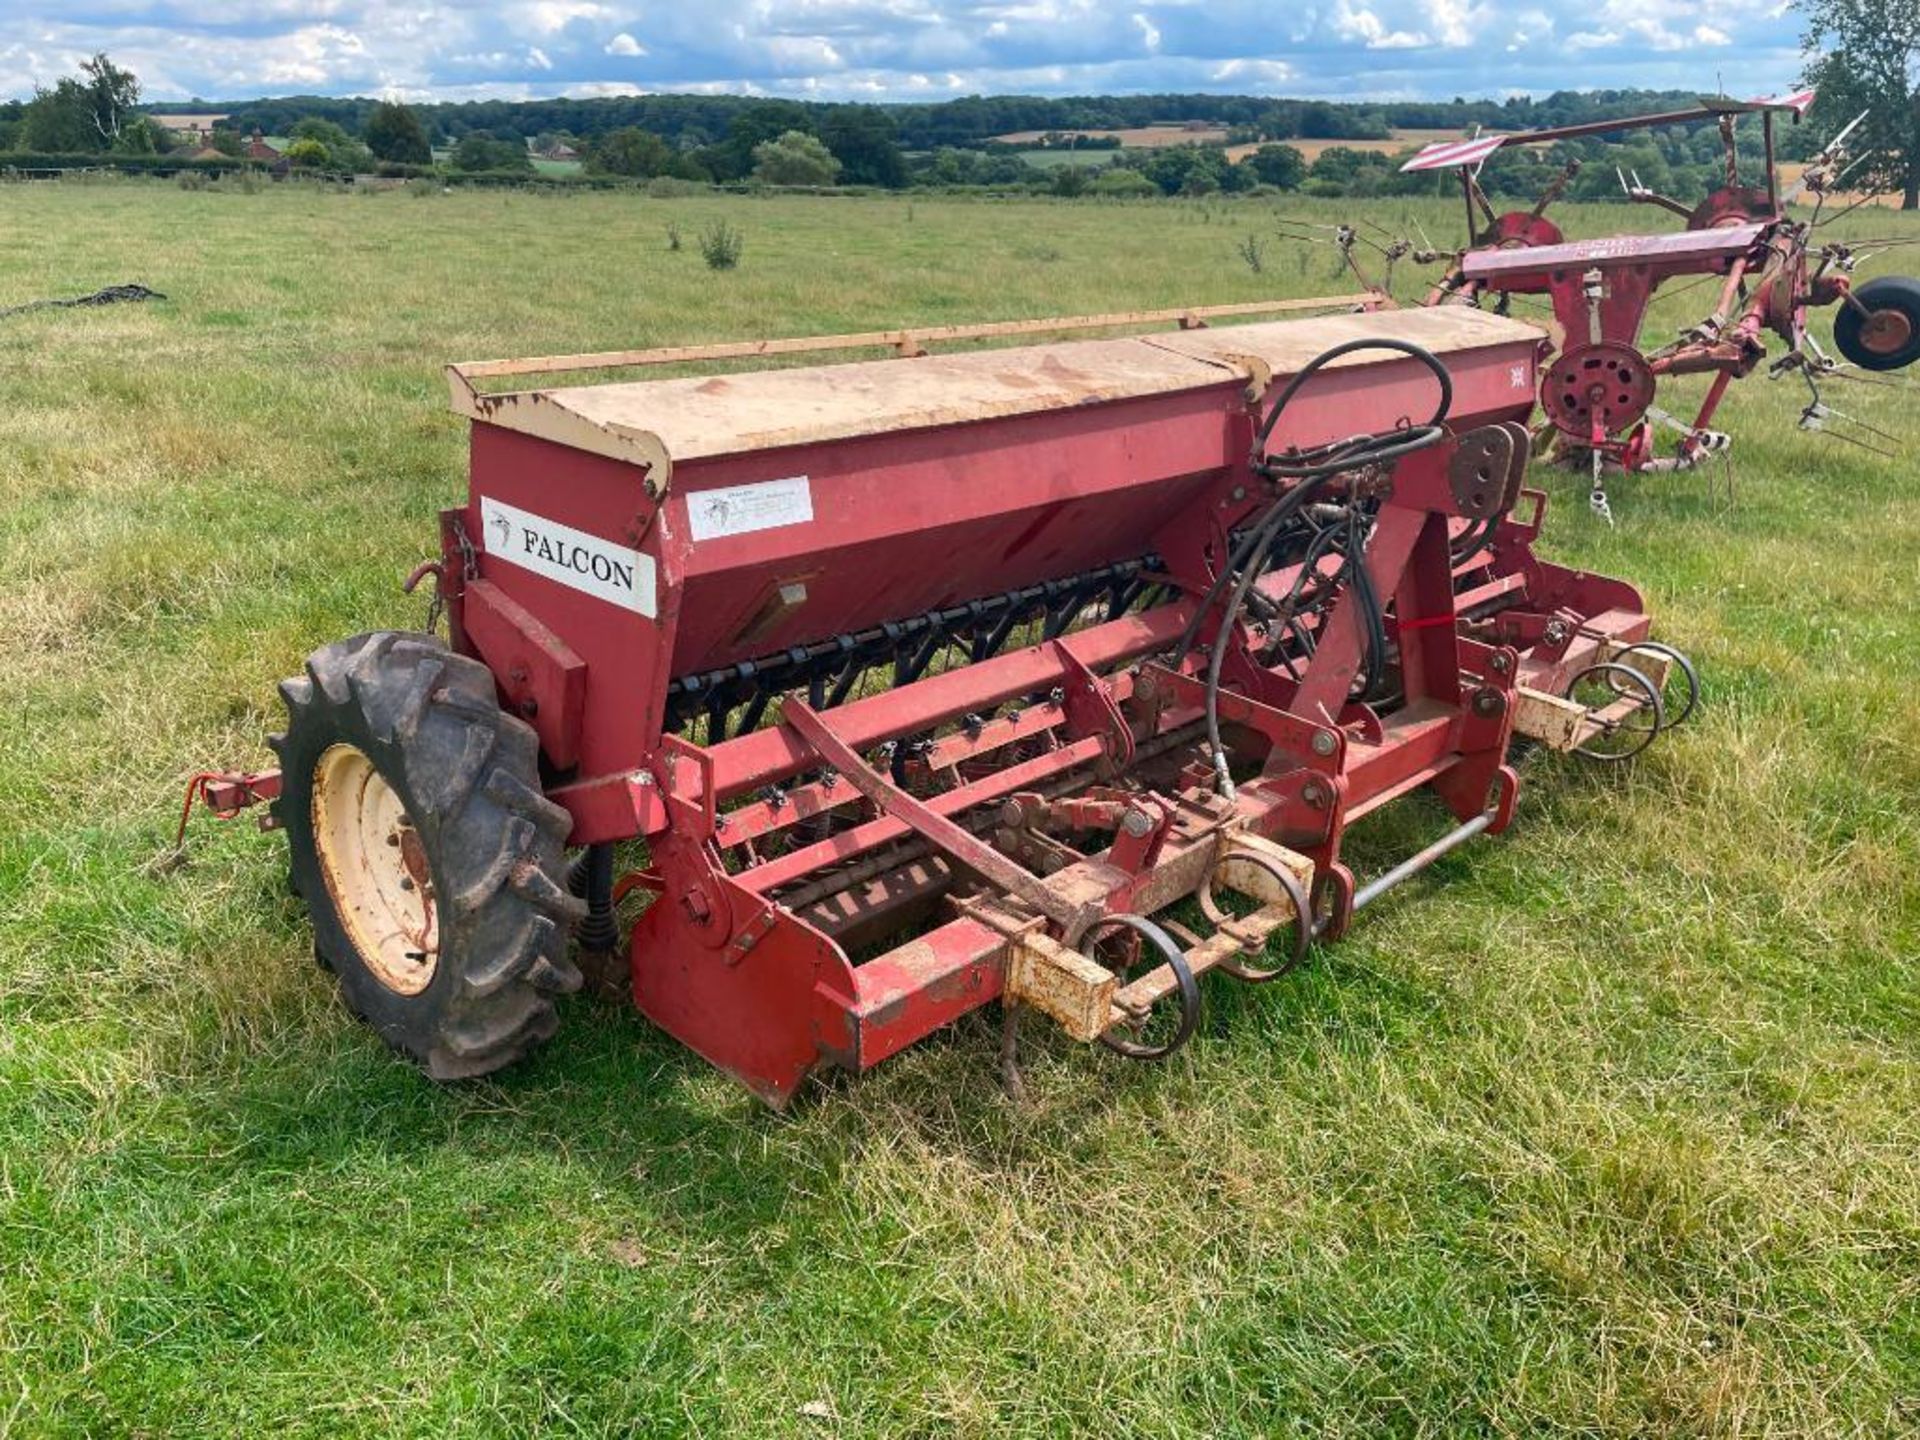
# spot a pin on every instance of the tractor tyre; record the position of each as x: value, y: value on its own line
x: 429, y: 859
x: 1887, y: 336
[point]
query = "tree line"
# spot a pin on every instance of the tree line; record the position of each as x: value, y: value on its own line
x: 1869, y: 63
x: 729, y: 139
x: 692, y: 122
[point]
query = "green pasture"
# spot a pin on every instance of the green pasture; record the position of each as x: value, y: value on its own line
x: 1609, y: 1127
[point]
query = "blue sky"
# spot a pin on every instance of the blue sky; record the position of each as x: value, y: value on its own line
x: 904, y: 49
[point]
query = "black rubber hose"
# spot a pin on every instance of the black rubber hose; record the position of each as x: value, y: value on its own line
x: 1319, y: 362
x: 1236, y: 561
x: 591, y: 878
x: 1313, y: 469
x: 1353, y: 564
x: 1217, y: 655
x: 1370, y: 613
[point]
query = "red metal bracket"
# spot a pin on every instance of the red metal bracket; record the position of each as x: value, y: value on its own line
x: 1092, y: 710
x: 540, y: 676
x: 961, y: 844
x: 226, y: 793
x: 676, y: 749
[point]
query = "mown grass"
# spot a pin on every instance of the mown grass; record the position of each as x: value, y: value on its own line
x: 1610, y: 1127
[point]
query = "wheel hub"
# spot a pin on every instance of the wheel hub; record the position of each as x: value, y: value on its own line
x: 1608, y: 383
x: 1886, y: 332
x: 375, y: 868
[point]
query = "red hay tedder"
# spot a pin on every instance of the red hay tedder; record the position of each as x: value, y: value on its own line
x: 1597, y: 392
x: 1051, y: 675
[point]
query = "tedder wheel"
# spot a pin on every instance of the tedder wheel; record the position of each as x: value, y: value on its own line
x: 1879, y: 329
x: 431, y: 863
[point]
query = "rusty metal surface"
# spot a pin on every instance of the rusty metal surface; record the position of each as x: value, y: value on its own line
x: 697, y: 417
x: 1481, y: 472
x: 1680, y: 249
x: 1283, y: 348
x: 1061, y: 983
x: 663, y: 422
x: 905, y: 341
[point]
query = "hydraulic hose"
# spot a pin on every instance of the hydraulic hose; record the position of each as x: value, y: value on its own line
x: 1312, y: 470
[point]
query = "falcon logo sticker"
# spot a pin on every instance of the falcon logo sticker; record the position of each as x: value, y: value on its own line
x: 571, y: 557
x: 743, y: 509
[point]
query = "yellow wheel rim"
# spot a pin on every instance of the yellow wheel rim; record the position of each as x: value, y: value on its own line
x: 375, y: 869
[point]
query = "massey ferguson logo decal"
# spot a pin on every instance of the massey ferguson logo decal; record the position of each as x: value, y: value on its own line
x: 571, y: 557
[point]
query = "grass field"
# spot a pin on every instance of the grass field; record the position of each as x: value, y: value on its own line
x: 1137, y: 137
x: 1610, y: 1127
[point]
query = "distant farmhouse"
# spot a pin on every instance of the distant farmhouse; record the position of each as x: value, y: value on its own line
x: 194, y: 133
x: 189, y: 128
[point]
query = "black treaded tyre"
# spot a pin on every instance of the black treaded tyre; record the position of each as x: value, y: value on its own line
x: 1887, y: 337
x: 431, y: 863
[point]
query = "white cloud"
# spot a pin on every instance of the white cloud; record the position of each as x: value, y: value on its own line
x: 1369, y: 29
x: 1339, y: 49
x: 1259, y: 74
x: 1459, y: 24
x: 549, y: 17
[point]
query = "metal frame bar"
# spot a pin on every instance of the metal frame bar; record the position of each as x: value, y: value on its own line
x: 905, y: 342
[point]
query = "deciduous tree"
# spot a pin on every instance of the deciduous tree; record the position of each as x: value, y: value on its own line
x: 88, y: 114
x: 864, y: 139
x: 1866, y: 56
x: 760, y: 122
x: 478, y: 150
x: 795, y: 158
x: 111, y: 95
x: 395, y: 134
x: 631, y: 151
x: 1279, y: 165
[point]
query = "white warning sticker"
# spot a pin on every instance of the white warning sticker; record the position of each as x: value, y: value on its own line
x: 742, y: 509
x: 585, y: 562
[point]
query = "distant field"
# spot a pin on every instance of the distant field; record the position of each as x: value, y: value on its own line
x: 1401, y: 140
x: 1791, y: 171
x: 1055, y: 159
x: 1143, y: 137
x: 1607, y: 1128
x: 1153, y: 137
x: 557, y: 169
